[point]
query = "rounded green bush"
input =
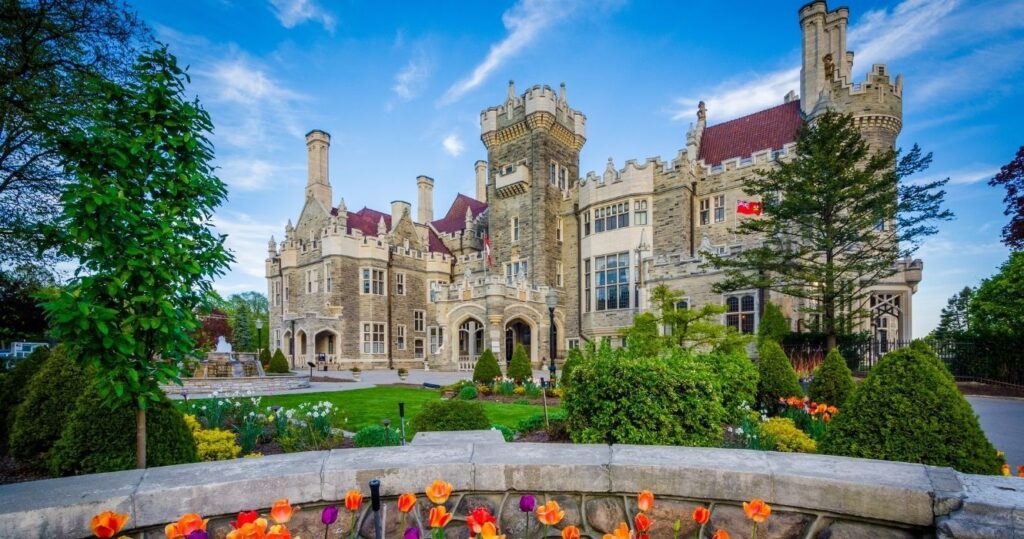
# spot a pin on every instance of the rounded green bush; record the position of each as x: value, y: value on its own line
x: 97, y: 438
x: 487, y: 368
x: 49, y: 398
x: 738, y: 377
x: 782, y: 434
x: 833, y: 380
x: 12, y: 390
x: 506, y: 433
x: 519, y: 369
x: 278, y: 363
x: 572, y: 361
x: 377, y: 436
x: 775, y: 375
x: 616, y: 398
x: 909, y: 409
x: 451, y: 414
x: 773, y: 324
x: 265, y: 358
x: 468, y: 393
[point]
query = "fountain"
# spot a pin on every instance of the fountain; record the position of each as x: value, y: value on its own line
x: 222, y: 362
x: 226, y: 371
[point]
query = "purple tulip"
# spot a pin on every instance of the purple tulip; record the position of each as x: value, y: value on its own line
x: 412, y: 533
x: 527, y: 503
x: 329, y: 515
x: 198, y: 534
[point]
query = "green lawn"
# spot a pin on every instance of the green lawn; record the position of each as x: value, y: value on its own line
x: 364, y: 407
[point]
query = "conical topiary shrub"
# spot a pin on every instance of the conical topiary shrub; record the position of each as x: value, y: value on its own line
x: 519, y: 369
x: 50, y: 398
x: 775, y: 375
x: 572, y: 362
x: 909, y: 409
x: 265, y: 358
x: 487, y: 368
x: 12, y: 390
x: 773, y: 324
x: 278, y: 363
x: 833, y: 380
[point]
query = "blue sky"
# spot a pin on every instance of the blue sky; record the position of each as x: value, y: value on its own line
x: 400, y: 86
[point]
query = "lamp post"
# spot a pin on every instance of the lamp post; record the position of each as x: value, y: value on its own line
x: 259, y: 334
x: 552, y: 302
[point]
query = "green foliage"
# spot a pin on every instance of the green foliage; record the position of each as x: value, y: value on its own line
x: 535, y: 422
x: 955, y: 319
x: 909, y: 409
x: 775, y: 375
x: 451, y: 414
x: 773, y: 325
x: 12, y: 390
x: 683, y: 327
x: 377, y: 436
x: 278, y: 363
x: 265, y: 358
x: 737, y: 376
x: 98, y: 439
x: 468, y: 393
x: 572, y: 361
x: 519, y: 369
x: 50, y: 398
x: 997, y: 309
x: 618, y: 397
x: 21, y: 316
x: 212, y: 444
x: 783, y: 435
x: 506, y: 433
x: 505, y: 388
x: 832, y: 381
x: 821, y: 239
x: 1011, y: 177
x: 487, y: 368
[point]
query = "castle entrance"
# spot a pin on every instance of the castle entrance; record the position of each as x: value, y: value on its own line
x: 517, y: 331
x: 471, y: 343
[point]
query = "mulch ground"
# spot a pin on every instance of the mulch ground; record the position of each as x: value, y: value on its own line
x: 14, y: 472
x: 542, y: 436
x: 552, y: 401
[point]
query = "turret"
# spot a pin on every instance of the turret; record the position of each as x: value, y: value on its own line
x: 481, y: 181
x: 318, y: 183
x: 824, y: 33
x: 425, y: 199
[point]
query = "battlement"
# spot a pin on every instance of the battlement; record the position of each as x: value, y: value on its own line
x: 759, y: 158
x: 628, y: 171
x: 539, y: 100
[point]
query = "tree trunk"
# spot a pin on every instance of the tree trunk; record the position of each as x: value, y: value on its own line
x: 140, y: 438
x: 830, y: 341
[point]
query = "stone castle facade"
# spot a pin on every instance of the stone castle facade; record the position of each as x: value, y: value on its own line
x: 397, y: 289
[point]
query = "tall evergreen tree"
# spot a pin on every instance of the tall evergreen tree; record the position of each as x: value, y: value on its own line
x: 955, y: 320
x: 243, y: 339
x: 1011, y: 177
x: 997, y: 308
x: 836, y: 219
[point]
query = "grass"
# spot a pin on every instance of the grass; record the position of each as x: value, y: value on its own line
x: 370, y: 406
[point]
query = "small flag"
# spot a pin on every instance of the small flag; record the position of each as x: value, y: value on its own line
x: 748, y: 207
x: 487, y: 246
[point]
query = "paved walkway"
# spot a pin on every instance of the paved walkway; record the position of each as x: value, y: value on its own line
x: 1002, y: 420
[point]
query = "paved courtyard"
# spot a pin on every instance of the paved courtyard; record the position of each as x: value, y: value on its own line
x: 1002, y: 419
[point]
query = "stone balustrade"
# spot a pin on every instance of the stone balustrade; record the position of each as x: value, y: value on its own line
x: 811, y: 495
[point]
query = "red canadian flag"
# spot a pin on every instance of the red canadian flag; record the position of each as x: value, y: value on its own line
x: 748, y: 207
x: 487, y: 246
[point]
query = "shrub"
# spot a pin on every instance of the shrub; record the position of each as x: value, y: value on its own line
x: 773, y: 324
x: 12, y: 390
x: 775, y: 375
x: 212, y: 444
x: 100, y: 439
x: 468, y: 393
x: 532, y: 390
x: 483, y: 389
x: 670, y: 400
x: 265, y: 358
x: 536, y: 421
x: 737, y: 376
x: 49, y: 398
x: 487, y: 368
x: 909, y: 409
x: 451, y: 415
x: 572, y: 361
x: 506, y: 433
x: 506, y: 388
x: 519, y: 369
x: 832, y: 381
x: 377, y: 436
x: 781, y: 434
x: 278, y: 363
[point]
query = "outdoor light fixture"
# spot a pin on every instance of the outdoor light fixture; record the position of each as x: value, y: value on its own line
x: 259, y: 338
x: 311, y: 367
x: 378, y: 524
x: 552, y: 301
x: 401, y: 415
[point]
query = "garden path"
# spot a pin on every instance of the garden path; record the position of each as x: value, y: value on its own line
x: 1002, y: 419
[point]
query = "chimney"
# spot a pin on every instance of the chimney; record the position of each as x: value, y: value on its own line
x: 398, y: 209
x: 318, y: 184
x: 425, y: 202
x: 481, y: 181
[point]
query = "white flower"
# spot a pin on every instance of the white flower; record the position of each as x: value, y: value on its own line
x: 739, y: 430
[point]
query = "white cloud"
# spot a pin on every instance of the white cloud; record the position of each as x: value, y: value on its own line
x: 962, y: 176
x: 247, y: 239
x: 731, y: 100
x: 254, y: 174
x: 524, y: 21
x: 292, y: 13
x: 453, y: 145
x: 409, y: 80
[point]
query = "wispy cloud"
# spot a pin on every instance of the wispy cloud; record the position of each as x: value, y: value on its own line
x: 453, y: 145
x: 962, y: 176
x: 292, y: 13
x: 247, y: 239
x: 737, y: 99
x: 254, y: 174
x: 524, y: 21
x: 409, y: 81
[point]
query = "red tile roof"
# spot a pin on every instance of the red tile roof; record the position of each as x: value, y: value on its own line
x: 435, y: 244
x: 455, y: 219
x: 768, y: 129
x: 366, y: 220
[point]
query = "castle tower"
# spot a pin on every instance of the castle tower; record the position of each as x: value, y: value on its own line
x: 533, y: 145
x: 318, y: 184
x: 424, y: 199
x: 824, y: 33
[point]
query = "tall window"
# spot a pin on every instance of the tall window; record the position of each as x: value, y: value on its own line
x: 418, y: 321
x: 705, y: 211
x: 611, y: 273
x: 328, y: 280
x: 720, y: 208
x: 311, y: 281
x: 586, y: 223
x: 515, y: 229
x: 740, y: 312
x: 563, y: 178
x: 611, y: 217
x: 400, y: 338
x: 552, y: 172
x: 373, y: 338
x: 558, y: 229
x: 417, y: 346
x: 373, y: 281
x: 400, y: 284
x: 436, y: 338
x: 586, y: 284
x: 286, y: 291
x: 560, y: 273
x: 640, y: 213
x: 516, y: 268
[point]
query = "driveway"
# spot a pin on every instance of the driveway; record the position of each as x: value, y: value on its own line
x: 1002, y: 420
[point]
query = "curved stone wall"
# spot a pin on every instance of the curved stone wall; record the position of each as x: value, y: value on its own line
x: 238, y: 384
x: 812, y: 495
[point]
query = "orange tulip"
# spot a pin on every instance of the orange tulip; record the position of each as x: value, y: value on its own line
x: 278, y: 532
x: 250, y: 530
x: 1020, y: 470
x: 570, y: 532
x: 720, y: 534
x: 490, y: 531
x: 438, y: 491
x: 642, y: 522
x: 107, y: 523
x: 406, y: 502
x: 701, y: 515
x: 622, y: 532
x: 439, y: 517
x: 549, y: 514
x: 353, y: 499
x: 1006, y: 469
x: 185, y: 525
x: 281, y: 511
x: 826, y: 418
x: 757, y: 510
x: 832, y: 410
x: 645, y: 500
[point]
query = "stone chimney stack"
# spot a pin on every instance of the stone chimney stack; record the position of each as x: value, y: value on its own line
x: 481, y: 181
x: 425, y: 202
x: 318, y: 184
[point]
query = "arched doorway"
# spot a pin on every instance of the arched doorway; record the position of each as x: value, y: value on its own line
x: 517, y: 331
x: 325, y: 345
x: 471, y: 343
x: 301, y: 350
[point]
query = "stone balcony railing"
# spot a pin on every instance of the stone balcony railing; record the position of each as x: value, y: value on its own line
x: 811, y: 495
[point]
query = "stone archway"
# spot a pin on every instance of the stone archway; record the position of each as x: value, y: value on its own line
x: 326, y: 344
x: 471, y: 343
x: 518, y: 331
x: 289, y: 346
x: 301, y: 350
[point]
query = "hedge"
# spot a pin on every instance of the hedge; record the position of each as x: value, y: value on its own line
x: 775, y: 375
x: 49, y: 398
x: 487, y: 368
x: 833, y: 380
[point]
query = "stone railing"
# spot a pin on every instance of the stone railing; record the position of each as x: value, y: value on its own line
x: 811, y: 495
x: 238, y: 384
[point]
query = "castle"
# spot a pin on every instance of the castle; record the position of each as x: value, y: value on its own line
x: 542, y: 253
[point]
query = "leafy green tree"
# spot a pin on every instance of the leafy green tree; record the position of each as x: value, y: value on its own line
x: 487, y: 368
x: 519, y: 369
x: 836, y: 219
x: 775, y: 375
x: 682, y: 327
x: 833, y: 380
x: 1011, y: 177
x: 955, y: 320
x: 244, y: 309
x: 572, y: 362
x: 21, y: 314
x: 49, y: 398
x: 243, y: 339
x: 278, y: 363
x: 997, y: 309
x: 137, y: 217
x: 773, y: 325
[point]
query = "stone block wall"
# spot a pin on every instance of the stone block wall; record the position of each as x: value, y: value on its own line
x: 241, y: 384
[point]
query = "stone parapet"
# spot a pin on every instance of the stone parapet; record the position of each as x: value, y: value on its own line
x: 240, y: 384
x: 811, y: 495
